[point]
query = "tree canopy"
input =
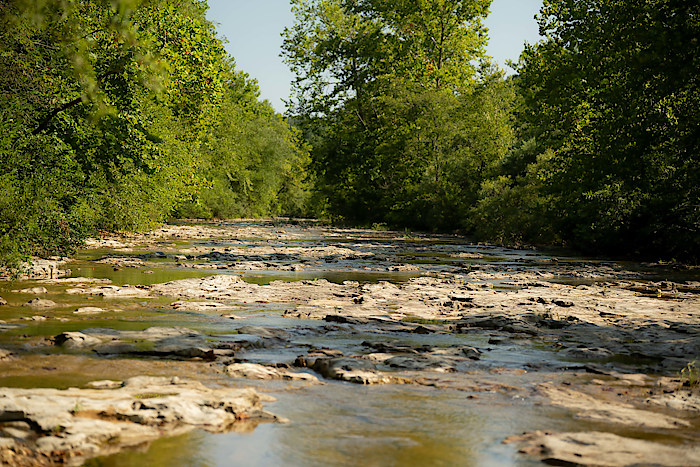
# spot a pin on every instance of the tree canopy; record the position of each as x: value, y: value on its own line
x: 593, y: 142
x: 110, y: 110
x: 613, y: 91
x: 119, y: 114
x: 388, y: 96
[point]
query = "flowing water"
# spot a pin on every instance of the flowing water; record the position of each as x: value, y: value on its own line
x: 334, y: 423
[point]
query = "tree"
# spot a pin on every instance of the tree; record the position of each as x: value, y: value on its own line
x: 613, y: 91
x: 103, y: 129
x: 255, y: 163
x: 383, y: 85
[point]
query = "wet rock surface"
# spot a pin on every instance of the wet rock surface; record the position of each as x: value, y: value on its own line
x: 311, y: 311
x: 40, y: 303
x: 39, y: 268
x: 166, y: 342
x: 592, y: 408
x: 603, y: 449
x: 256, y: 371
x: 50, y: 425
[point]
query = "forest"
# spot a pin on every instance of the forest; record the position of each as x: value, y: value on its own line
x: 118, y: 115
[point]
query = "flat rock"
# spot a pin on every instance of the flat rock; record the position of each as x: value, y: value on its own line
x: 591, y: 408
x: 682, y: 400
x: 76, y: 280
x: 209, y: 287
x: 403, y: 268
x: 230, y: 316
x: 563, y: 303
x: 76, y: 340
x: 40, y: 303
x: 111, y: 291
x: 3, y: 302
x: 105, y: 384
x: 352, y: 370
x: 585, y: 353
x: 256, y: 371
x: 40, y: 268
x: 32, y: 290
x: 83, y: 423
x: 88, y: 310
x: 603, y: 449
x: 35, y: 318
x: 122, y: 261
x: 264, y: 331
x: 202, y: 306
x: 420, y: 362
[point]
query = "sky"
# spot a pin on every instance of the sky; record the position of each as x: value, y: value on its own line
x: 253, y: 28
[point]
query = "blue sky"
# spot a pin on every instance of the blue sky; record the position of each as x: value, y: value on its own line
x: 253, y: 27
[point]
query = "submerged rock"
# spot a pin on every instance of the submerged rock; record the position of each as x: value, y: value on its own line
x: 174, y: 347
x: 345, y: 319
x: 265, y: 332
x: 83, y: 423
x: 584, y: 353
x: 496, y: 322
x: 154, y: 341
x: 10, y: 326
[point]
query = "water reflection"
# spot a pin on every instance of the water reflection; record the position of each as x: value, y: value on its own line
x: 186, y: 450
x: 347, y: 425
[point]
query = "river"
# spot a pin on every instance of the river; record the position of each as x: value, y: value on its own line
x: 413, y: 349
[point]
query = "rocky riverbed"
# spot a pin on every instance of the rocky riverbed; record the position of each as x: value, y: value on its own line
x: 398, y: 347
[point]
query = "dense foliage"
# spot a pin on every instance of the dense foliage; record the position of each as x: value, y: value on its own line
x: 254, y: 162
x: 114, y: 112
x: 118, y: 114
x: 611, y: 117
x: 403, y: 125
x: 593, y: 143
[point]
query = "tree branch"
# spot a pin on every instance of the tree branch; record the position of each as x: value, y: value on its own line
x: 45, y: 122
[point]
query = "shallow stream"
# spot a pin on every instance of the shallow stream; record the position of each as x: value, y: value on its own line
x: 460, y: 418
